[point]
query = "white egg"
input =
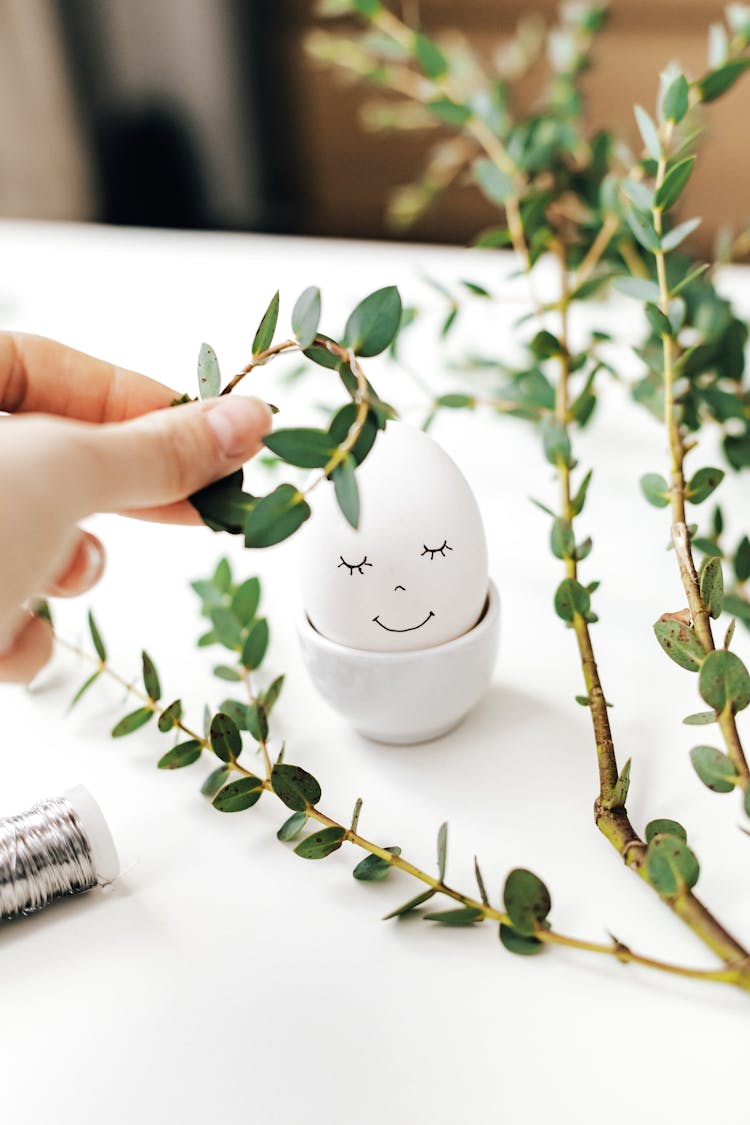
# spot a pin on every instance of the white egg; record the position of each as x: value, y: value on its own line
x: 414, y: 574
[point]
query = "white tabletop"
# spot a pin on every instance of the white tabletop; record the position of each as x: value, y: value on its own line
x: 222, y: 978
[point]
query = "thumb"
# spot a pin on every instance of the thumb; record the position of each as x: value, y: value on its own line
x: 164, y: 456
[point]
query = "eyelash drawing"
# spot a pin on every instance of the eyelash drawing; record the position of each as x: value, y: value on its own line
x: 355, y: 566
x: 432, y: 551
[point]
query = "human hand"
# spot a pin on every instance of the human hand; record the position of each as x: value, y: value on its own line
x: 85, y: 437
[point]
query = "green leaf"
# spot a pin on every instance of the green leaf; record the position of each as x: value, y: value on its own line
x: 449, y: 321
x: 272, y: 693
x: 342, y: 423
x: 442, y: 849
x: 522, y: 944
x: 374, y: 323
x: 225, y: 672
x: 676, y: 236
x: 556, y: 442
x: 150, y: 678
x: 41, y: 609
x: 321, y: 843
x: 373, y: 868
x: 712, y: 585
x: 680, y: 643
x: 578, y: 501
x: 297, y: 788
x: 239, y: 795
x: 527, y: 900
x: 292, y: 827
x: 224, y: 505
x: 170, y: 716
x: 226, y: 627
x: 622, y: 786
x: 215, y: 780
x: 225, y: 738
x: 245, y: 601
x: 412, y: 904
x: 675, y: 104
x: 705, y: 481
x: 276, y: 516
x: 655, y: 489
x: 639, y: 195
x: 132, y: 722
x: 742, y: 560
x: 267, y: 327
x: 665, y: 827
x: 717, y: 82
x: 714, y: 768
x: 367, y: 8
x: 642, y: 228
x: 183, y: 755
x: 544, y: 345
x: 661, y: 324
x: 430, y: 58
x: 571, y: 598
x: 463, y: 916
x: 96, y: 638
x: 222, y: 576
x: 452, y: 113
x: 674, y: 183
x: 306, y: 316
x: 347, y: 492
x: 700, y: 719
x: 690, y: 277
x: 256, y: 644
x: 456, y: 401
x: 562, y: 540
x: 304, y: 447
x: 493, y: 182
x: 648, y: 132
x: 209, y: 376
x: 256, y: 721
x: 84, y: 688
x: 236, y: 710
x: 671, y: 865
x: 321, y: 355
x: 639, y: 287
x: 724, y: 681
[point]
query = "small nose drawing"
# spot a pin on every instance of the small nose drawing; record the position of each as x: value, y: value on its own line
x: 400, y: 588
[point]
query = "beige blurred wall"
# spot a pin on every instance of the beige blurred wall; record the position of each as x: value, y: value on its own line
x: 349, y: 173
x: 44, y: 169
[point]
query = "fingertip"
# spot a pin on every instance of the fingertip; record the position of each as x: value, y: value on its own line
x: 84, y: 569
x: 26, y: 651
x: 238, y: 423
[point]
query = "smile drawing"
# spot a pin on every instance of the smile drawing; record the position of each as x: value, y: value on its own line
x: 410, y: 629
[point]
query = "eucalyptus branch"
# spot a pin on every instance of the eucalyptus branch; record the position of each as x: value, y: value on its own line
x: 296, y: 788
x: 724, y: 681
x: 663, y: 859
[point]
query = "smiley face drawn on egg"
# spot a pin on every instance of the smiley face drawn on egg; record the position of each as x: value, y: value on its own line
x: 414, y: 574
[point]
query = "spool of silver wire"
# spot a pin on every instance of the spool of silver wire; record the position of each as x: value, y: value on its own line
x: 60, y: 847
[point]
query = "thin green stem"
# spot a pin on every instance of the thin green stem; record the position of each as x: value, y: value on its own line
x: 609, y: 811
x: 737, y: 974
x: 677, y: 492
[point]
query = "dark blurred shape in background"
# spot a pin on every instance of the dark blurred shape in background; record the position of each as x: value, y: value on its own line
x: 208, y: 113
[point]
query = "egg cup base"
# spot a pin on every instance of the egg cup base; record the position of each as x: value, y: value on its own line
x: 403, y: 698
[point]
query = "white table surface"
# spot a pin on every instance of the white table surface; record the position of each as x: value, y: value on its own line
x: 222, y: 978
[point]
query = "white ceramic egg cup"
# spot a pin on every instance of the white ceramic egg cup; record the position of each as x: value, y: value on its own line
x: 405, y: 697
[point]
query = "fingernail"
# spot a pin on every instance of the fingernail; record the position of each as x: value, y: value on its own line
x: 93, y: 563
x: 238, y: 422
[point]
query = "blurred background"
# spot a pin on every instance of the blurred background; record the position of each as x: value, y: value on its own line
x: 210, y: 114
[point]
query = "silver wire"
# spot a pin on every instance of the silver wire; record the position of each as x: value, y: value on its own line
x: 44, y: 855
